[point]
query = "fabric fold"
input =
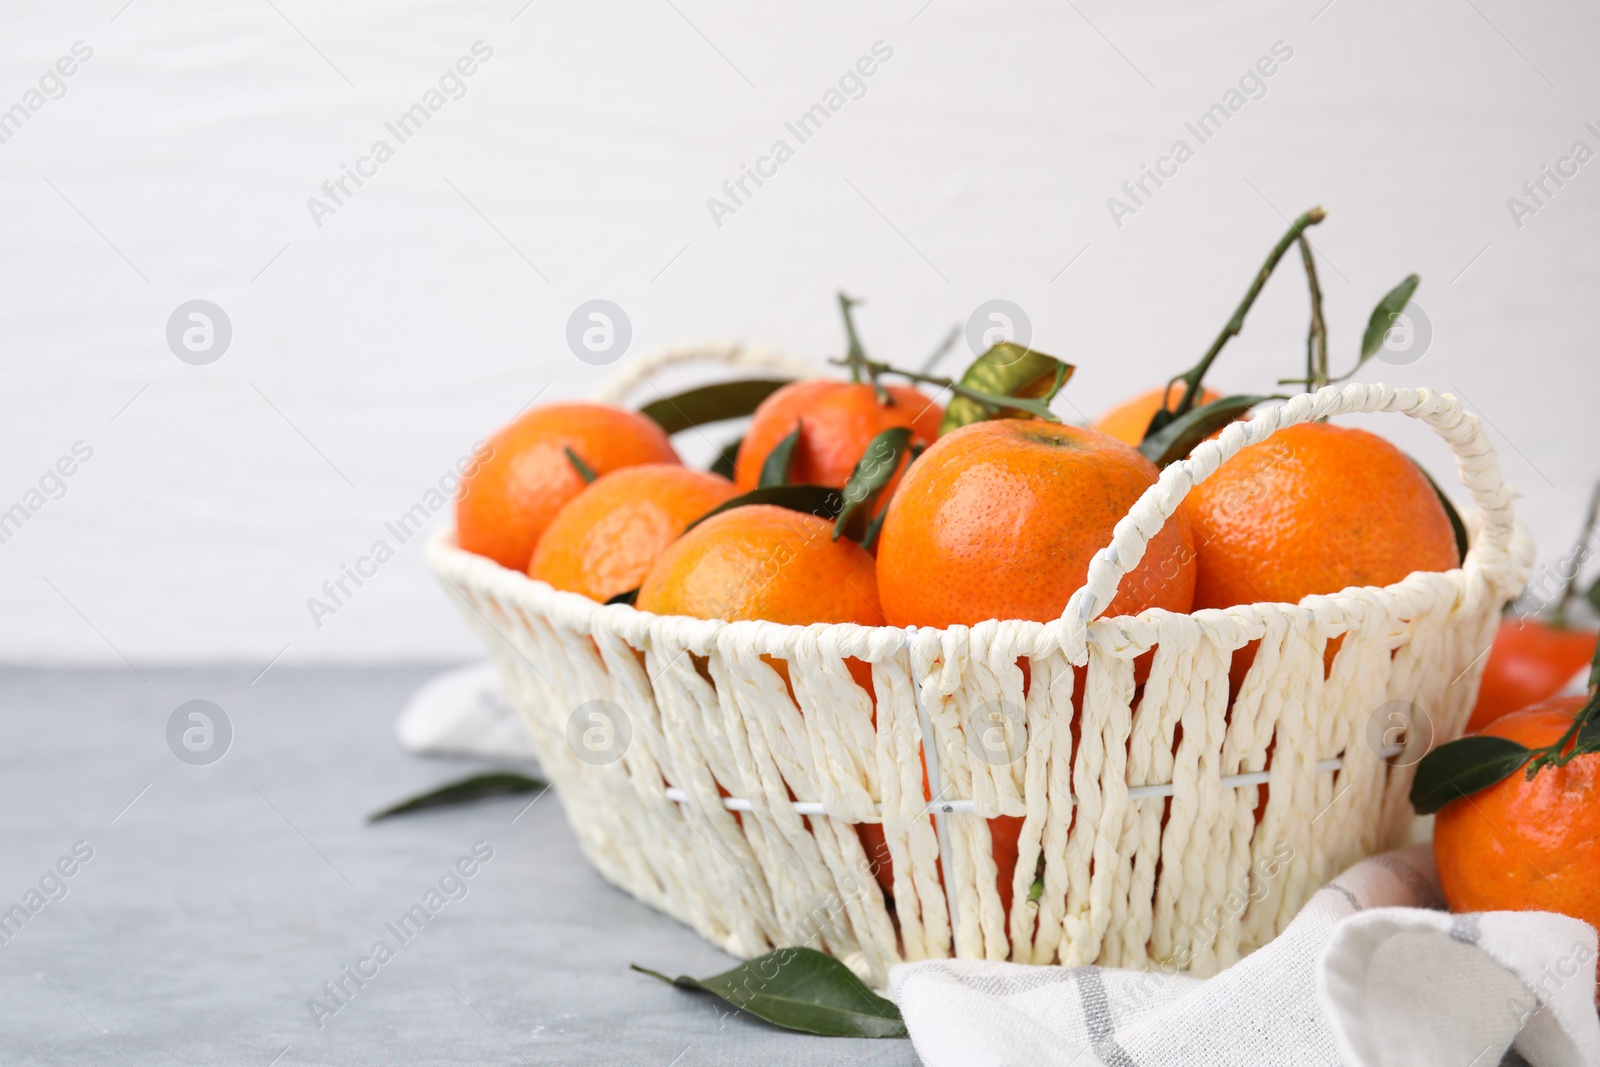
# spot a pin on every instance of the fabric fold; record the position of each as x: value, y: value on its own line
x: 1369, y: 974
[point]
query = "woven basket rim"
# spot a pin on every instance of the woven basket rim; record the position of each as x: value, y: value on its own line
x: 1335, y: 612
x: 1493, y: 564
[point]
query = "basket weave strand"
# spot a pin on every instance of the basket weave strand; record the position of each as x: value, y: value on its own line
x: 1129, y: 878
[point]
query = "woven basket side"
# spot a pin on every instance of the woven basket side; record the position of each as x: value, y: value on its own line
x: 1189, y: 881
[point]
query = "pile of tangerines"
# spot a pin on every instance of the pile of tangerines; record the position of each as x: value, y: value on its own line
x: 854, y: 500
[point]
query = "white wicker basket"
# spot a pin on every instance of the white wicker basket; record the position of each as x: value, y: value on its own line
x: 1153, y: 854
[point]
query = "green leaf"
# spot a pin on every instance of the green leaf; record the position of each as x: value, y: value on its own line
x: 779, y: 463
x: 1589, y: 735
x: 584, y: 470
x: 1177, y: 437
x: 1007, y: 371
x: 1587, y: 719
x: 625, y: 598
x: 1383, y: 316
x: 820, y: 500
x: 711, y: 403
x: 873, y: 472
x: 1457, y: 527
x: 1463, y: 767
x: 727, y: 458
x: 800, y: 989
x: 875, y: 527
x: 1592, y: 594
x: 464, y: 791
x: 1162, y: 419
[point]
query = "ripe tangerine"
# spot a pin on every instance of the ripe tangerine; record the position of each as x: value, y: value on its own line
x: 1314, y: 509
x: 999, y: 519
x: 607, y: 537
x: 506, y: 504
x: 837, y: 421
x: 1530, y: 661
x: 1527, y: 844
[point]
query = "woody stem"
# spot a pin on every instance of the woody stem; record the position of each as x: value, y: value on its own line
x: 1571, y: 590
x: 855, y: 355
x: 1589, y: 712
x: 1192, y: 377
x: 1040, y: 408
x: 1317, y: 336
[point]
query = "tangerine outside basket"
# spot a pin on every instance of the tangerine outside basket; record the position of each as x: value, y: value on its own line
x: 1176, y: 828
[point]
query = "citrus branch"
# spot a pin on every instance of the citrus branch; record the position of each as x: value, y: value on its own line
x: 1551, y: 755
x: 1192, y: 377
x: 1559, y: 619
x: 855, y: 356
x: 1317, y: 336
x: 1038, y: 407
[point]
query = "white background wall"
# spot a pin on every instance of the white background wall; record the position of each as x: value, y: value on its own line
x: 370, y: 352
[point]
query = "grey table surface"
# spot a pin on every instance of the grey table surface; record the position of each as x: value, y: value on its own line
x: 219, y: 899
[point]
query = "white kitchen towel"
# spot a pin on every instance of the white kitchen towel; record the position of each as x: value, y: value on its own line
x: 462, y: 712
x: 1369, y: 974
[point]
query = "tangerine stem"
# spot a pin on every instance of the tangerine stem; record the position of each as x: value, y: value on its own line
x: 855, y: 355
x: 1559, y: 619
x: 1317, y: 336
x: 1038, y: 408
x: 1551, y: 754
x: 1588, y: 713
x: 1192, y: 377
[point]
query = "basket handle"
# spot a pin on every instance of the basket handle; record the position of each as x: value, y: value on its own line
x: 1475, y: 459
x: 616, y: 386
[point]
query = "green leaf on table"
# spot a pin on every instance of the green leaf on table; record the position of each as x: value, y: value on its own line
x: 727, y: 458
x: 711, y: 403
x: 777, y: 467
x: 585, y: 471
x: 800, y: 989
x: 1463, y: 767
x: 872, y: 475
x: 1177, y: 437
x: 464, y: 791
x: 823, y: 501
x: 1007, y: 371
x: 1383, y: 316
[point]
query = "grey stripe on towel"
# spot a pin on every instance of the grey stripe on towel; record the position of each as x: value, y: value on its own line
x: 1097, y: 1019
x: 1423, y: 889
x: 1335, y: 887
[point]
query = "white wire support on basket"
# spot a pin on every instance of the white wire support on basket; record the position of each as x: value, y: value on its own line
x: 938, y: 808
x: 1172, y: 819
x: 967, y: 807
